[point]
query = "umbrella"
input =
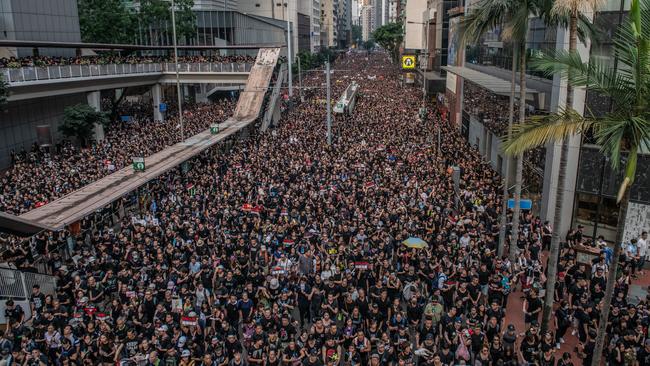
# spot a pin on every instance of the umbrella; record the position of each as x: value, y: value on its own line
x: 415, y: 243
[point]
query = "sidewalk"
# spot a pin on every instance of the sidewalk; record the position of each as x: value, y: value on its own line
x: 514, y: 313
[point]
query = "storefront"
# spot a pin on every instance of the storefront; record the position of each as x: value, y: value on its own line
x: 595, y: 205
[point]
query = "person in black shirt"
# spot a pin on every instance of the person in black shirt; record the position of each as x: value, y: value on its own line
x: 528, y: 349
x: 314, y: 359
x: 532, y: 307
x: 37, y: 301
x: 562, y: 322
x: 586, y: 350
x: 446, y: 356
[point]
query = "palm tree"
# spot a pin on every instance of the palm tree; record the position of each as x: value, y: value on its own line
x: 572, y: 8
x: 513, y: 15
x: 621, y: 133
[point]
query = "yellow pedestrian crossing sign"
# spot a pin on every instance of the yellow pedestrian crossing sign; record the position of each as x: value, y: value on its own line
x: 408, y: 62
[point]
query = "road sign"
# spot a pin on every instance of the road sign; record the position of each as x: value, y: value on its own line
x: 162, y: 107
x: 138, y: 164
x: 523, y: 204
x: 408, y: 62
x: 214, y: 129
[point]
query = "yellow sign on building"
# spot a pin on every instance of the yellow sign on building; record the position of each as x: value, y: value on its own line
x: 408, y: 62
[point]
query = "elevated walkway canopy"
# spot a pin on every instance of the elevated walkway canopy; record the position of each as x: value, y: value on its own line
x: 495, y: 84
x: 80, y: 203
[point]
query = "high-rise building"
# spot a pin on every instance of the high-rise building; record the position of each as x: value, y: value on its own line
x: 39, y: 20
x: 344, y: 23
x: 328, y: 21
x: 312, y: 9
x: 336, y: 23
x: 396, y: 10
x: 356, y: 12
x: 277, y: 9
x: 413, y: 30
x: 367, y: 22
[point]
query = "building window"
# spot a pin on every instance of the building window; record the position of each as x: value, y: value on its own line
x: 599, y: 216
x: 257, y: 5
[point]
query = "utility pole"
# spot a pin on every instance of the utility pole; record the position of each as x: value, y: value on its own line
x: 302, y: 99
x: 424, y: 69
x: 329, y: 104
x: 178, y: 81
x: 289, y: 52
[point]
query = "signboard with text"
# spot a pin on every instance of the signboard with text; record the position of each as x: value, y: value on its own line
x: 138, y: 164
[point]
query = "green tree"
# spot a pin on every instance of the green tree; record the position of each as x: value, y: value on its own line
x: 4, y: 93
x: 357, y: 34
x: 390, y: 37
x: 105, y: 21
x: 156, y: 19
x: 185, y: 19
x: 621, y: 132
x: 79, y: 122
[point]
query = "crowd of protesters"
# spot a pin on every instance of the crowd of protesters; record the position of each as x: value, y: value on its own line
x: 490, y: 108
x: 40, y: 175
x: 42, y: 61
x: 288, y: 251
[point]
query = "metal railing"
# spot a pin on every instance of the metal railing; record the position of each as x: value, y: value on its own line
x: 15, y: 284
x: 27, y: 74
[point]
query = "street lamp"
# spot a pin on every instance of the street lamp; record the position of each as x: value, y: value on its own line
x: 178, y: 81
x: 289, y: 51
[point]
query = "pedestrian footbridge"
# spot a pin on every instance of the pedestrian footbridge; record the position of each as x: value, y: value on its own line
x: 35, y: 82
x: 80, y: 203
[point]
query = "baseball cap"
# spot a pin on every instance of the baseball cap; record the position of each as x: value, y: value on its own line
x: 186, y: 353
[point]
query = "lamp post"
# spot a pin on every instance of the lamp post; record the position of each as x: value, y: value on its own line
x: 178, y: 81
x: 302, y: 99
x: 329, y: 103
x: 289, y: 52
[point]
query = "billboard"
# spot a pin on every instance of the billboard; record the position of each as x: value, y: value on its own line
x: 454, y: 43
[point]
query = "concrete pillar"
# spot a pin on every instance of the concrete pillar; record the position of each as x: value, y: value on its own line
x: 186, y: 91
x: 552, y: 165
x: 156, y: 96
x: 95, y: 101
x: 202, y: 93
x: 118, y: 93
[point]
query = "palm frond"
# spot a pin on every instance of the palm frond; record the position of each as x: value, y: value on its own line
x: 519, y: 20
x: 619, y: 132
x: 595, y: 75
x: 587, y: 30
x: 483, y: 17
x: 540, y: 130
x: 580, y: 6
